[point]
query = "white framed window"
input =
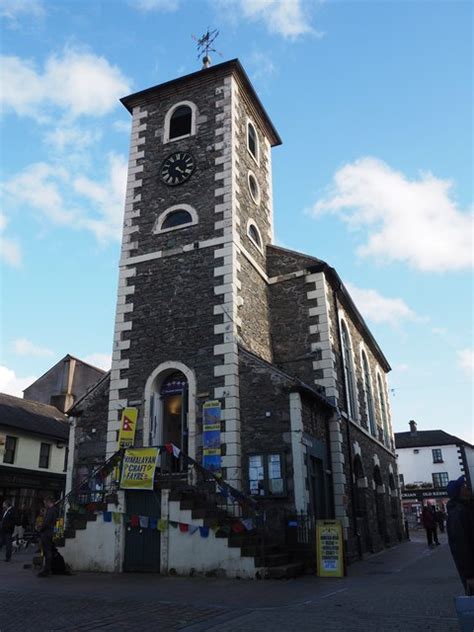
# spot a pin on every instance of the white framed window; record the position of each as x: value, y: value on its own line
x: 180, y: 121
x: 254, y: 187
x: 383, y: 409
x: 175, y: 217
x: 252, y: 141
x: 254, y: 235
x: 349, y: 374
x: 368, y: 393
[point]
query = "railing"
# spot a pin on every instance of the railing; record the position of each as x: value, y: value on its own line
x: 300, y: 529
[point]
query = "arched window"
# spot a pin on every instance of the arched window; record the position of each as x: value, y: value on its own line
x: 180, y: 122
x: 252, y: 140
x: 254, y: 234
x: 176, y: 217
x: 348, y: 372
x: 173, y: 395
x: 383, y: 409
x: 254, y: 188
x: 369, y: 398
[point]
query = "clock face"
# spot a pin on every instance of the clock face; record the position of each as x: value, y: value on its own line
x: 177, y: 168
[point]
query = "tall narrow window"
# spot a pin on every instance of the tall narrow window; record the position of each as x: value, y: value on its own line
x: 252, y: 140
x: 437, y: 455
x: 45, y: 450
x: 348, y: 371
x: 181, y: 122
x: 383, y: 409
x: 10, y: 450
x: 369, y: 399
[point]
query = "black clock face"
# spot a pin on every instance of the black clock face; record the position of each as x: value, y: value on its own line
x: 177, y: 168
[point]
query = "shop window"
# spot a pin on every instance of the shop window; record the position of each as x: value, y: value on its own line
x: 266, y: 476
x: 437, y: 456
x: 10, y: 450
x: 45, y: 451
x: 440, y: 479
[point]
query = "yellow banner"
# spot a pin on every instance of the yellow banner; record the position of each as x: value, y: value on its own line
x: 128, y: 426
x: 138, y: 468
x: 329, y: 551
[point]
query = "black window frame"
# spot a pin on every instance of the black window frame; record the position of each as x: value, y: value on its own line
x: 438, y: 481
x: 42, y: 456
x: 252, y: 140
x: 263, y: 490
x: 437, y: 455
x: 168, y: 224
x: 10, y: 450
x: 180, y: 122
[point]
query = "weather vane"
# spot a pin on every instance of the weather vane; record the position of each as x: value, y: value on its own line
x: 205, y: 45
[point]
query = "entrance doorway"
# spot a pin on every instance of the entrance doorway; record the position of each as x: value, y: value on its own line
x: 142, y: 544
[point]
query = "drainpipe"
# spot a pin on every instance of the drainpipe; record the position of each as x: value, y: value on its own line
x: 348, y: 431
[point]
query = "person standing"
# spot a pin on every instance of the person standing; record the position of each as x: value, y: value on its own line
x: 460, y: 529
x: 7, y: 528
x: 47, y: 534
x: 428, y: 521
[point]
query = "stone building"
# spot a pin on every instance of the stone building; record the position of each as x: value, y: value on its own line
x: 209, y: 309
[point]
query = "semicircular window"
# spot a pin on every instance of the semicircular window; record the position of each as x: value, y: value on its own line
x: 254, y: 234
x: 180, y: 123
x: 176, y: 218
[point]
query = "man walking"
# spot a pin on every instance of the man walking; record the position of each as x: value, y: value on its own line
x: 460, y: 528
x: 46, y: 535
x: 7, y: 528
x: 429, y: 523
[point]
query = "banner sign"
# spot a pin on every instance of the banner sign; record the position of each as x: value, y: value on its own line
x: 138, y: 468
x: 329, y: 551
x: 211, y: 437
x: 128, y: 426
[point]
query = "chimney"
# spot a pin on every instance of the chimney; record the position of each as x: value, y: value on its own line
x: 413, y: 427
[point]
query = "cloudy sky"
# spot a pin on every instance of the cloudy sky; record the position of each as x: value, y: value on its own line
x: 373, y: 102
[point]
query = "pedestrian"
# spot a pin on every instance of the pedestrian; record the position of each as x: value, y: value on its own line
x: 429, y: 523
x: 460, y: 528
x: 7, y: 527
x: 47, y: 534
x: 440, y: 518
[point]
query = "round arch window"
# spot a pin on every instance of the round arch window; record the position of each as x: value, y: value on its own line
x: 254, y: 235
x: 181, y: 122
x: 176, y: 218
x: 254, y: 188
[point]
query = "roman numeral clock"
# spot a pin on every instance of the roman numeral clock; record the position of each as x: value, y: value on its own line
x: 177, y: 168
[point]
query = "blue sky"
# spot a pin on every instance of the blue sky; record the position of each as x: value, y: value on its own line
x: 373, y: 102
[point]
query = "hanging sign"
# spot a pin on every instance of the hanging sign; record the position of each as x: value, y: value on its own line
x: 329, y: 551
x: 128, y: 426
x: 138, y: 468
x: 211, y: 437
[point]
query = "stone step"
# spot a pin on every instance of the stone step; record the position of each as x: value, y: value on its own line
x: 273, y: 560
x: 255, y: 550
x: 69, y: 533
x: 286, y: 571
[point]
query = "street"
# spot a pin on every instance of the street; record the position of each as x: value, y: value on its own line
x: 406, y: 588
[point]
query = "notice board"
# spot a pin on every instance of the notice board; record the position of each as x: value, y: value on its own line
x: 329, y: 549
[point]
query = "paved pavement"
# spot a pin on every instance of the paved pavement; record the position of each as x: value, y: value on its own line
x: 405, y: 589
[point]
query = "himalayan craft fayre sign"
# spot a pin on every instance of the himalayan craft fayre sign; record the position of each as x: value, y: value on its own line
x: 329, y: 552
x: 138, y: 468
x: 128, y: 426
x: 211, y: 436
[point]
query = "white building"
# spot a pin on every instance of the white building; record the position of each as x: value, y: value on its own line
x: 427, y: 460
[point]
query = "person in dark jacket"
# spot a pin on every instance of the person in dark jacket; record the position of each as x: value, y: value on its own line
x: 47, y: 534
x: 460, y: 528
x: 428, y: 520
x: 8, y: 517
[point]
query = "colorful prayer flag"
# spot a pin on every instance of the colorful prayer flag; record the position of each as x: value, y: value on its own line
x: 183, y: 527
x: 116, y: 517
x: 107, y: 515
x: 204, y: 532
x: 192, y: 529
x: 162, y: 525
x: 143, y: 522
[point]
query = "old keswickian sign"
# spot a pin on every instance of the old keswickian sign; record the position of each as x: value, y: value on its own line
x: 329, y: 551
x: 138, y: 468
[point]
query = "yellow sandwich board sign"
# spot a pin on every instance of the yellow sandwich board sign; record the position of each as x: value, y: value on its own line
x: 329, y: 551
x: 138, y: 468
x: 128, y: 426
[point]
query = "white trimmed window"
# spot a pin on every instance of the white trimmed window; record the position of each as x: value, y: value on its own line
x: 180, y: 121
x: 176, y: 217
x: 254, y: 235
x: 368, y: 394
x: 252, y: 142
x: 349, y: 375
x: 254, y: 187
x: 383, y: 409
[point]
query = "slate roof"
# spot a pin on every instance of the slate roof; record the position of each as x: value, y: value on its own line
x: 426, y: 438
x: 33, y: 417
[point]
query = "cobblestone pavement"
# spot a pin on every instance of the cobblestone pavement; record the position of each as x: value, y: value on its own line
x: 405, y: 589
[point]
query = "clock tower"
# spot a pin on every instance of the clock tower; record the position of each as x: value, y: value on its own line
x: 198, y: 218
